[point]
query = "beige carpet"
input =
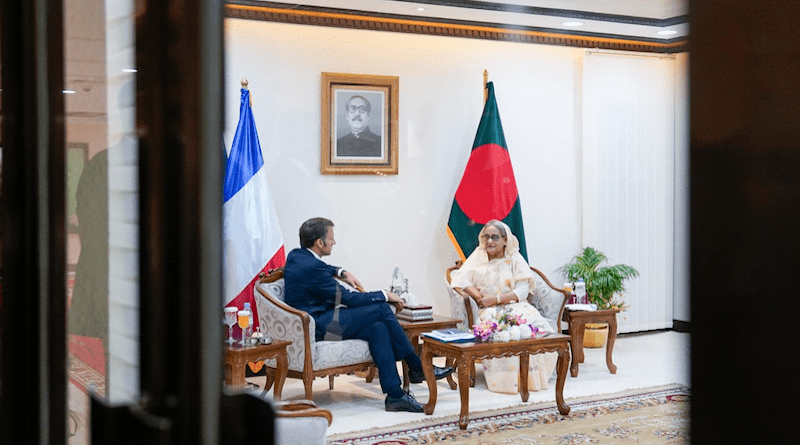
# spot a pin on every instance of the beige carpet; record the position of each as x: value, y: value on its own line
x: 647, y: 416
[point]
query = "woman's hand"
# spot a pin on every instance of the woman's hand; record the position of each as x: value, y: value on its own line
x: 486, y: 300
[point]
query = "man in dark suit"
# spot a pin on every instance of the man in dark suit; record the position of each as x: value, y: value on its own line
x: 311, y: 286
x: 360, y: 141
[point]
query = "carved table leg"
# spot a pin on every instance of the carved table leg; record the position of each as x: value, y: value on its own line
x: 524, y: 360
x: 406, y: 380
x: 576, y: 331
x: 237, y: 374
x: 427, y: 367
x: 612, y: 336
x: 464, y: 366
x: 282, y: 367
x: 561, y: 367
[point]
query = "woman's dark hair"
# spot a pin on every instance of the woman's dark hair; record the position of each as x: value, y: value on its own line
x: 312, y: 230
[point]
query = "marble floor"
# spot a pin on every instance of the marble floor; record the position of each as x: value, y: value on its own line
x: 643, y: 360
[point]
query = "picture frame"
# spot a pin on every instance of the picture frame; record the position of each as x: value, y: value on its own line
x: 359, y: 115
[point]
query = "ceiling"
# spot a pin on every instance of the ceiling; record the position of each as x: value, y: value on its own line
x: 642, y: 19
x: 85, y: 68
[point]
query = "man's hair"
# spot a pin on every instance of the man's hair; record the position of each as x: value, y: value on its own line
x: 312, y: 230
x: 347, y: 104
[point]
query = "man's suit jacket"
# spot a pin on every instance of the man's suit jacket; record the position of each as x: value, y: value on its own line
x: 366, y: 144
x: 311, y: 285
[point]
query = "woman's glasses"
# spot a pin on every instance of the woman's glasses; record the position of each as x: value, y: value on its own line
x: 491, y: 237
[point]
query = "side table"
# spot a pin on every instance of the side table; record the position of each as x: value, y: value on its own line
x: 465, y: 353
x: 237, y: 357
x: 413, y: 331
x: 576, y: 321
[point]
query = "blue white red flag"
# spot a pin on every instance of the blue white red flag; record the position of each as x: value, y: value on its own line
x: 253, y: 240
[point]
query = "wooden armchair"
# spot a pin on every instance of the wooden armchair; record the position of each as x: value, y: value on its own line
x: 308, y: 358
x: 549, y: 300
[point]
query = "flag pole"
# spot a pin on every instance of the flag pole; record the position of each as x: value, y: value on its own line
x: 244, y: 86
x: 485, y: 81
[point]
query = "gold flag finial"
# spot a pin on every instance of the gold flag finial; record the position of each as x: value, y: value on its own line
x: 485, y: 81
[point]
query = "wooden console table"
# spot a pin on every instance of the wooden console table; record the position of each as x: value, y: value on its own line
x: 413, y: 331
x: 577, y: 326
x: 237, y: 357
x: 465, y: 353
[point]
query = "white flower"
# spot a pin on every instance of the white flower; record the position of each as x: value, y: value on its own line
x: 525, y: 332
x: 514, y: 332
x: 501, y: 336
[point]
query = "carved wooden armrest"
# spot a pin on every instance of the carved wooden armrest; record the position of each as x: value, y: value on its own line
x: 301, y: 408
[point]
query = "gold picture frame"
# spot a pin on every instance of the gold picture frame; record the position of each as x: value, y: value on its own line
x: 359, y: 124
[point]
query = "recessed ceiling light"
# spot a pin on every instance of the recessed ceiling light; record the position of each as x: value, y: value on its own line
x: 420, y: 9
x: 129, y: 70
x: 667, y: 32
x: 572, y: 23
x: 68, y: 91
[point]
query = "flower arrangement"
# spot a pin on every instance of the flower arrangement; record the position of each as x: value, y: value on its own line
x: 507, y: 327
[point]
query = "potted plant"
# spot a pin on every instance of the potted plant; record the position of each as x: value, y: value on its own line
x: 604, y: 286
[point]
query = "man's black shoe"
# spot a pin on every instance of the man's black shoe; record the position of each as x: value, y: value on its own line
x: 405, y: 403
x: 439, y: 373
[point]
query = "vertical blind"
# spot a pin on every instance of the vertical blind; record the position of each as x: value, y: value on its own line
x: 628, y: 175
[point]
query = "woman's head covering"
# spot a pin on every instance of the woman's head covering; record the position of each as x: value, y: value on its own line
x: 512, y: 243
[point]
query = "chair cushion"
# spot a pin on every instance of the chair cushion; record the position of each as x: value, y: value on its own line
x: 331, y: 354
x: 546, y: 301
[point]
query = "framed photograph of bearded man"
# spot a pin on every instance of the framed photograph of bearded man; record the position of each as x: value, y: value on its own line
x: 359, y: 124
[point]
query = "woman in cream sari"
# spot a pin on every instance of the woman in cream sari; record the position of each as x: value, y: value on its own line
x: 498, y: 278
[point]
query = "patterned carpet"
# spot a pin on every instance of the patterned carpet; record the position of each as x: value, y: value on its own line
x: 646, y: 416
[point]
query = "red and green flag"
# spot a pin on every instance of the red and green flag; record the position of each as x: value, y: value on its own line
x: 488, y: 189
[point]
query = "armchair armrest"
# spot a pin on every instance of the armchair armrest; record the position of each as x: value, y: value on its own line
x: 302, y: 408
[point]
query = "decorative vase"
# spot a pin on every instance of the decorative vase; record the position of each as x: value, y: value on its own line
x: 595, y: 335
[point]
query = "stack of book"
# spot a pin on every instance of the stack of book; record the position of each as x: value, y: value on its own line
x: 416, y: 313
x: 451, y: 335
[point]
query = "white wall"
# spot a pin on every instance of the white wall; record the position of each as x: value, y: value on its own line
x: 383, y: 222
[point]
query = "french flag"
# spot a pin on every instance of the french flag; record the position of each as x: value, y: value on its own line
x: 253, y: 240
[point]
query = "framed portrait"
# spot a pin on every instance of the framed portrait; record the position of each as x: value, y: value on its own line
x: 359, y: 124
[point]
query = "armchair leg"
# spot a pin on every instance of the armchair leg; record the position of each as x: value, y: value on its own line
x: 330, y: 381
x: 371, y: 374
x: 307, y: 383
x: 472, y: 374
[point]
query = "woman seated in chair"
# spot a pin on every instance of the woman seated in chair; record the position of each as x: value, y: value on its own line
x: 499, y: 279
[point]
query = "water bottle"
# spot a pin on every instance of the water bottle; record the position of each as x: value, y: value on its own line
x: 580, y: 291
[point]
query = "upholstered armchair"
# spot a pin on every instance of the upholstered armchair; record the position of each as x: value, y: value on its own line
x: 549, y: 300
x: 308, y: 358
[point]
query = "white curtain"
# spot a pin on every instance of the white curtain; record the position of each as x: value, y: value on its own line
x: 628, y: 175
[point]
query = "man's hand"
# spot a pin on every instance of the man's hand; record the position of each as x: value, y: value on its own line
x: 395, y: 300
x: 351, y: 280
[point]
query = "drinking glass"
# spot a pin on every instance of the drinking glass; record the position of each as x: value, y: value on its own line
x: 230, y: 320
x: 244, y: 322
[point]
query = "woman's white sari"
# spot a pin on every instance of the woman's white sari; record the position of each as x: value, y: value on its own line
x: 501, y: 275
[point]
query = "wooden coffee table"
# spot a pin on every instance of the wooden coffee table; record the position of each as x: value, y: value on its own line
x: 577, y: 326
x: 465, y: 353
x: 416, y: 328
x: 237, y: 357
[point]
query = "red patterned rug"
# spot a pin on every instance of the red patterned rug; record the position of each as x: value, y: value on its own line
x: 646, y: 416
x: 87, y: 364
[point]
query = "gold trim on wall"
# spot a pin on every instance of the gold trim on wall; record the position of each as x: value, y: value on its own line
x: 356, y: 21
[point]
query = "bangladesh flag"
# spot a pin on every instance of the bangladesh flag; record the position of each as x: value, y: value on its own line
x: 488, y: 189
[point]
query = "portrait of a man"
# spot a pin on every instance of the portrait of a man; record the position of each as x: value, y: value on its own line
x: 360, y: 140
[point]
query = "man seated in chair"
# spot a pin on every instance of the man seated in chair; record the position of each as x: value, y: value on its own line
x: 311, y: 286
